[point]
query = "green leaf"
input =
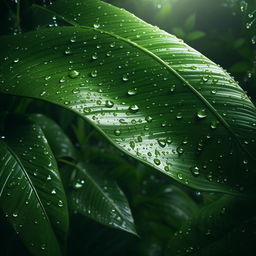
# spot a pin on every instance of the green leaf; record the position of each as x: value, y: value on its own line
x: 190, y: 22
x: 170, y: 205
x: 241, y: 66
x: 31, y: 192
x: 60, y: 144
x: 227, y: 224
x: 150, y: 94
x: 177, y: 31
x: 159, y: 213
x: 197, y: 34
x: 98, y: 197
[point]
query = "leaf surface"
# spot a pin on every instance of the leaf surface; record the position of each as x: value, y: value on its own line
x: 149, y: 93
x: 99, y: 197
x: 31, y: 193
x: 60, y: 144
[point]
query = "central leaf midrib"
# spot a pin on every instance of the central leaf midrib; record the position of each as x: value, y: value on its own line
x: 162, y: 62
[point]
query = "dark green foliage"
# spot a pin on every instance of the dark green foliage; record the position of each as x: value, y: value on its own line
x: 109, y: 124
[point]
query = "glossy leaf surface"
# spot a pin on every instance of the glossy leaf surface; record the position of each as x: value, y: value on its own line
x: 98, y: 197
x: 31, y: 192
x: 149, y: 93
x: 59, y: 142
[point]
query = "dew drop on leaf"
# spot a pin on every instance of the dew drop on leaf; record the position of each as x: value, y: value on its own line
x: 73, y: 74
x: 195, y: 171
x: 117, y: 132
x: 134, y: 108
x: 148, y: 119
x: 76, y: 90
x: 87, y: 110
x: 96, y: 25
x: 172, y: 88
x: 180, y: 150
x: 201, y: 113
x: 157, y: 161
x: 60, y: 203
x: 132, y: 92
x: 179, y: 116
x: 94, y: 73
x: 125, y: 78
x: 67, y: 52
x: 109, y: 103
x: 214, y: 124
x: 161, y: 142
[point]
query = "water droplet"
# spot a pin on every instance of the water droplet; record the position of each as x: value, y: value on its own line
x: 180, y: 150
x: 148, y: 119
x: 112, y: 45
x: 172, y: 88
x: 73, y: 74
x: 132, y: 144
x: 195, y: 171
x: 67, y: 52
x: 43, y: 246
x: 94, y: 73
x: 117, y: 132
x: 109, y: 103
x: 243, y: 6
x: 214, y: 124
x: 53, y: 192
x: 161, y: 142
x: 179, y: 116
x: 139, y: 139
x: 254, y: 39
x: 134, y: 108
x: 209, y: 176
x: 125, y: 78
x: 60, y: 203
x: 15, y: 215
x: 87, y: 110
x: 96, y: 25
x: 42, y: 93
x: 94, y: 56
x: 157, y: 161
x: 201, y: 113
x: 180, y: 176
x: 132, y: 92
x: 76, y: 90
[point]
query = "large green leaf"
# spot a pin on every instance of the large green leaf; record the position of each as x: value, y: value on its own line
x: 149, y: 93
x: 97, y: 196
x: 31, y: 192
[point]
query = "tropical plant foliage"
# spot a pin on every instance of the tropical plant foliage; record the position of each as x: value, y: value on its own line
x: 110, y: 127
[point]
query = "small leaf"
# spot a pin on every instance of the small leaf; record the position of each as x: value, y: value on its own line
x: 98, y: 197
x: 179, y: 32
x: 197, y: 34
x: 190, y: 22
x: 60, y: 144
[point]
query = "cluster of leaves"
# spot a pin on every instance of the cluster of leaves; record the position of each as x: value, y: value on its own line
x: 94, y: 102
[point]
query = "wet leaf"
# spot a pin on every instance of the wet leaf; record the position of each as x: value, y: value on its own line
x: 200, y: 115
x: 31, y: 193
